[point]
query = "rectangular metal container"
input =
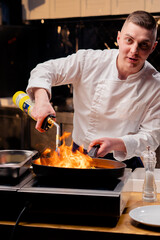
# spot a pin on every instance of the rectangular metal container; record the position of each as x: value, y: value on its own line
x: 13, y: 163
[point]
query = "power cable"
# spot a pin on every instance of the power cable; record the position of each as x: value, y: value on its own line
x: 27, y: 206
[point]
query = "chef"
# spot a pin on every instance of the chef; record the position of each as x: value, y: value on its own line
x: 116, y: 93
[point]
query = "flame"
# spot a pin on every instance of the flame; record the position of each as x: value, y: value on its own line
x: 65, y: 157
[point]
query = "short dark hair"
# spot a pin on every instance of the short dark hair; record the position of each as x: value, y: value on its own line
x: 143, y: 19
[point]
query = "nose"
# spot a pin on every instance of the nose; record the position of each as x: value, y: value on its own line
x: 134, y: 48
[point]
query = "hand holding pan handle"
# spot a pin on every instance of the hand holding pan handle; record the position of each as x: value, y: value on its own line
x: 93, y: 152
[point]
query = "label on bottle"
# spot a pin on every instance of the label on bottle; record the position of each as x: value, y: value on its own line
x: 22, y: 100
x: 27, y: 108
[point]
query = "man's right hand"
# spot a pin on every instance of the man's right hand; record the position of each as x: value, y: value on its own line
x: 42, y: 107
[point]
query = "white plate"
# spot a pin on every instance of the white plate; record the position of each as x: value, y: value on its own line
x: 149, y: 215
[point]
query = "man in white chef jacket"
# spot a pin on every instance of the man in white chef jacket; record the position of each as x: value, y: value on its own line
x: 116, y: 93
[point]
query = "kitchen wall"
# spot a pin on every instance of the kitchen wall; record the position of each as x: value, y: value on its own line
x: 52, y: 9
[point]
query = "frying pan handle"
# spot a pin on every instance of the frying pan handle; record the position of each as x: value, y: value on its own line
x: 93, y: 152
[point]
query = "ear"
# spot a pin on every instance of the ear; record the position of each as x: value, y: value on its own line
x: 118, y: 37
x: 154, y: 46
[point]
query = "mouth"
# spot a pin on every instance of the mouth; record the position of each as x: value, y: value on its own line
x: 133, y: 60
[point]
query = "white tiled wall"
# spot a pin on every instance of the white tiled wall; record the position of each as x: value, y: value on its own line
x: 95, y: 8
x: 41, y: 9
x: 127, y: 6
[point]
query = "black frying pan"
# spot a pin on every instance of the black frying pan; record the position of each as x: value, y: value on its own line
x: 103, y: 168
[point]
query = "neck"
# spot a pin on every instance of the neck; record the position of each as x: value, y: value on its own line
x: 122, y: 75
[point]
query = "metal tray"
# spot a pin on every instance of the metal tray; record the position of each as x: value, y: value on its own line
x: 13, y: 163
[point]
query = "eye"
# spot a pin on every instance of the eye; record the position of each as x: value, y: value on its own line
x: 128, y: 40
x: 144, y: 45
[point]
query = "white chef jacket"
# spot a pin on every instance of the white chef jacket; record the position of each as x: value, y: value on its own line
x: 104, y: 105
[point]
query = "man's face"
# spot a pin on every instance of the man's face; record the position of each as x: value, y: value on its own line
x: 135, y: 45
